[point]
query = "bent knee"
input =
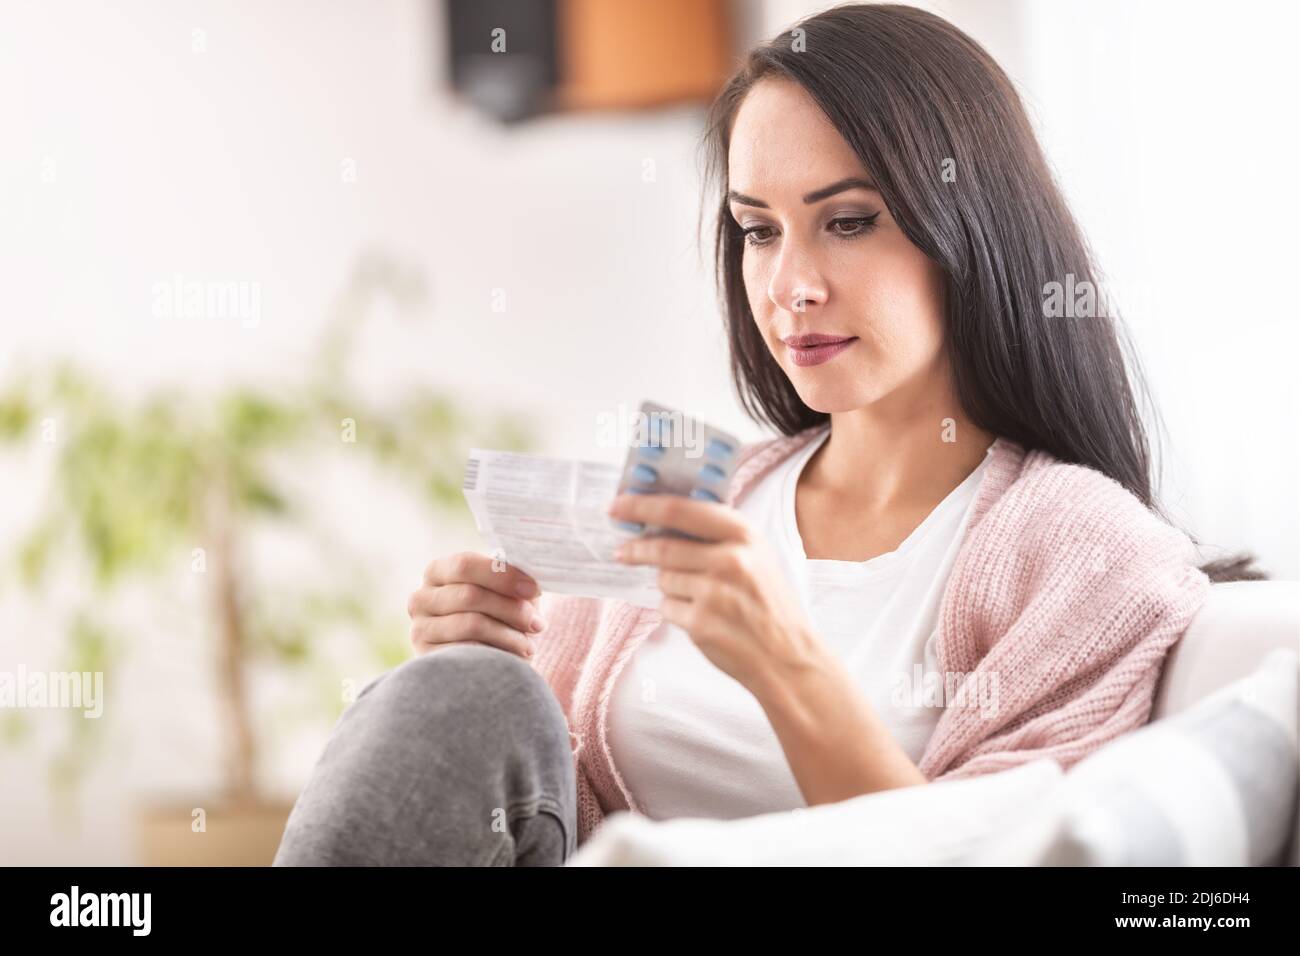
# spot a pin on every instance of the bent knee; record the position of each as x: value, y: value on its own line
x: 471, y: 676
x: 467, y: 664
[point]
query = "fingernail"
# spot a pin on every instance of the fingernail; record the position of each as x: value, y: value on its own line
x: 531, y: 649
x: 536, y: 624
x: 526, y: 589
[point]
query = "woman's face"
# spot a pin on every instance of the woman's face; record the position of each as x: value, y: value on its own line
x: 822, y: 257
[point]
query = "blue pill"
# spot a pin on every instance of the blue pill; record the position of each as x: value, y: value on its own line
x: 660, y: 430
x: 637, y: 490
x: 711, y: 473
x: 645, y: 474
x: 718, y: 450
x: 636, y: 526
x: 651, y: 451
x: 703, y: 494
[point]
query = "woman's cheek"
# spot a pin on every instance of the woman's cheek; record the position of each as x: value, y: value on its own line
x: 755, y: 286
x: 760, y: 306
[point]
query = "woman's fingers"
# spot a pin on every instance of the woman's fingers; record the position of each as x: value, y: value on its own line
x: 710, y: 521
x: 454, y: 598
x: 470, y: 567
x: 470, y: 597
x: 429, y: 633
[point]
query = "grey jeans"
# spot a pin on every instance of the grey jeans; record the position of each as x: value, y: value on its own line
x: 459, y: 757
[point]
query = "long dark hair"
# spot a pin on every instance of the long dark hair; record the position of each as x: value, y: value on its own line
x: 915, y: 97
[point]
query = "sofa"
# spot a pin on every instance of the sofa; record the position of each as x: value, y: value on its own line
x: 1212, y: 779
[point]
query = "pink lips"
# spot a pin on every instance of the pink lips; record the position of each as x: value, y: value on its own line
x: 814, y: 348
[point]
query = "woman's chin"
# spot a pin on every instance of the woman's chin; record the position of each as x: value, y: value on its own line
x: 842, y: 390
x: 829, y: 400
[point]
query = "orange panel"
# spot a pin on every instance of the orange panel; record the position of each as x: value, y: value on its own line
x: 630, y: 53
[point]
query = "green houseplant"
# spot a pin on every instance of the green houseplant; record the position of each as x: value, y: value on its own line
x: 180, y: 476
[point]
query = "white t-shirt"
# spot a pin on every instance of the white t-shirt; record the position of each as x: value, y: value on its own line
x: 691, y: 741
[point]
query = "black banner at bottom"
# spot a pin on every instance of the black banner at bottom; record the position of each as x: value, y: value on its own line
x: 339, y: 905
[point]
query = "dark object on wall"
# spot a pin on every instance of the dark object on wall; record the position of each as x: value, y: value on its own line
x: 503, y: 55
x: 518, y: 58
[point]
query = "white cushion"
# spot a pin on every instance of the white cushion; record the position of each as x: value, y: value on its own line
x: 941, y: 823
x: 1240, y: 622
x: 1214, y: 785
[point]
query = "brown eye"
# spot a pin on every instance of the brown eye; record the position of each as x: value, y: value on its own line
x: 858, y: 225
x: 752, y: 235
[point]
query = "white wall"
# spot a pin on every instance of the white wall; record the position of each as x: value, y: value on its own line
x: 227, y: 164
x: 1176, y: 129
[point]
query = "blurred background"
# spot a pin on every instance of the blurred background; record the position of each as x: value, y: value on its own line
x: 272, y: 269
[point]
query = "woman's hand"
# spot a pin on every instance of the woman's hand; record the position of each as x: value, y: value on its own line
x: 469, y: 597
x: 727, y: 592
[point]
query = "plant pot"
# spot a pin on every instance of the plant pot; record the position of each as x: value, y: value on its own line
x: 225, y: 834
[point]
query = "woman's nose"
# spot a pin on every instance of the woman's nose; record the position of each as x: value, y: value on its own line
x: 797, y: 282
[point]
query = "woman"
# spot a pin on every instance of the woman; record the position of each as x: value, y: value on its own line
x: 949, y: 564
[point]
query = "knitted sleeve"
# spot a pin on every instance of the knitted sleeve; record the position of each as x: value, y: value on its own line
x: 1058, y: 620
x: 563, y: 647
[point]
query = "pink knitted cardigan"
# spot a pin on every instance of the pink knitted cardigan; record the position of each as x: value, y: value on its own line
x: 1065, y: 587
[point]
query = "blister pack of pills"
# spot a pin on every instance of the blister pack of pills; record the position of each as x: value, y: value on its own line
x: 675, y: 454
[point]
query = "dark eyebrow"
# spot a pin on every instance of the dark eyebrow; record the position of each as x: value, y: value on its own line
x: 815, y: 196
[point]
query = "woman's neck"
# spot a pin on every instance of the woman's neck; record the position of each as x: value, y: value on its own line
x: 875, y: 460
